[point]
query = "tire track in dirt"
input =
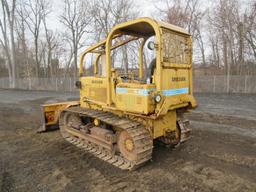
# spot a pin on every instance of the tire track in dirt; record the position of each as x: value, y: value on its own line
x: 211, y: 179
x: 71, y: 162
x: 213, y: 160
x: 248, y: 123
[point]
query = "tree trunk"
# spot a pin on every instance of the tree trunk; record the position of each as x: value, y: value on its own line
x: 75, y: 60
x: 36, y: 57
x: 218, y: 55
x: 13, y: 58
x: 225, y: 52
x: 241, y: 48
x: 125, y: 59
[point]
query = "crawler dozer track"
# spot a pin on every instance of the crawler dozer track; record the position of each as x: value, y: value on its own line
x: 111, y: 149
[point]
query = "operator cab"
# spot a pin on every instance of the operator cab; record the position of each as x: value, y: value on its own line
x: 139, y: 61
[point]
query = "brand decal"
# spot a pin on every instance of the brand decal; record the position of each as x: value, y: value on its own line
x: 178, y: 79
x: 97, y: 81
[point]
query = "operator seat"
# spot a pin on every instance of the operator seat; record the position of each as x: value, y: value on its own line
x: 151, y: 69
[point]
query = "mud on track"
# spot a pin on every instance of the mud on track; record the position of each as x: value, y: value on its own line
x: 221, y: 156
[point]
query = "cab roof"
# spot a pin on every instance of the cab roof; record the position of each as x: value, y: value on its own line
x: 147, y: 26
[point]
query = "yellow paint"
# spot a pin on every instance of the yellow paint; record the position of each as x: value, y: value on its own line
x: 129, y: 144
x: 164, y: 123
x: 173, y: 48
x: 51, y: 112
x: 134, y: 100
x: 96, y: 122
x: 93, y: 88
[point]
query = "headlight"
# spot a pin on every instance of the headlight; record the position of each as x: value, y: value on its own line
x: 78, y: 84
x: 158, y: 98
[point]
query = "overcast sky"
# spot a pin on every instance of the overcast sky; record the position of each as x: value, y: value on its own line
x: 146, y: 8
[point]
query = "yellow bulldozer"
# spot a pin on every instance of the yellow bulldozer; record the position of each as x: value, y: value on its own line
x: 120, y: 114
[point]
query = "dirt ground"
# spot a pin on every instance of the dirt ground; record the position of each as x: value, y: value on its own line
x: 221, y: 156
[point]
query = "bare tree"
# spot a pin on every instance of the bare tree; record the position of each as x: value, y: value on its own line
x: 189, y: 15
x: 108, y: 13
x: 228, y: 31
x: 183, y: 13
x: 35, y: 12
x: 76, y: 18
x: 8, y: 42
x: 224, y: 35
x: 215, y: 50
x: 52, y: 42
x: 201, y: 45
x: 22, y: 44
x: 250, y: 28
x: 198, y: 36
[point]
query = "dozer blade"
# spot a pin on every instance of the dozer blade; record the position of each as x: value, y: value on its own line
x: 50, y: 114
